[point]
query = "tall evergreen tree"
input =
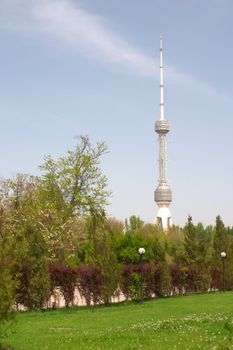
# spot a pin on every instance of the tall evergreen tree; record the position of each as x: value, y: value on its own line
x: 195, y: 255
x: 8, y: 275
x: 34, y: 287
x: 222, y: 242
x: 102, y: 253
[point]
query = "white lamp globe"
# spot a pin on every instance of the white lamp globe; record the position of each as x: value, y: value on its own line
x: 141, y: 251
x: 223, y: 254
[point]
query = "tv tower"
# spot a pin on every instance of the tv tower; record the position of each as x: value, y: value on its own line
x: 162, y: 194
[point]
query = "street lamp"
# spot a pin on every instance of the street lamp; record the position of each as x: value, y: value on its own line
x: 141, y: 252
x: 223, y: 257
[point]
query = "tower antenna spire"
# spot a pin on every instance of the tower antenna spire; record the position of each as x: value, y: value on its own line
x: 161, y: 80
x: 163, y: 194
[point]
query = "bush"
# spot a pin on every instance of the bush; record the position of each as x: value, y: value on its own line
x: 125, y: 279
x: 34, y: 285
x: 156, y: 280
x: 90, y: 283
x: 8, y: 280
x: 65, y: 278
x: 134, y: 287
x: 215, y: 274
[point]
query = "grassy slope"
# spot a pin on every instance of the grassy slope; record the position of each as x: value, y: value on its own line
x: 193, y: 322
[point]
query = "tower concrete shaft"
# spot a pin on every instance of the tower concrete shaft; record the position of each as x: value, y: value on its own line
x: 162, y: 194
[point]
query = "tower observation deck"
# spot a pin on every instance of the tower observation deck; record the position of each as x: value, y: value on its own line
x: 162, y: 194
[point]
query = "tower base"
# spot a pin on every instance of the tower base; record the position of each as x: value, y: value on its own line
x: 164, y: 218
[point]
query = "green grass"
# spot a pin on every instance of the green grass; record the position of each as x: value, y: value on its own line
x: 192, y: 322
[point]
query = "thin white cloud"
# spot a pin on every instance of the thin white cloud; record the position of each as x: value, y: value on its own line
x: 67, y: 22
x: 78, y: 27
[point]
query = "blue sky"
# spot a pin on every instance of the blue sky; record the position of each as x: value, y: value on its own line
x: 71, y: 67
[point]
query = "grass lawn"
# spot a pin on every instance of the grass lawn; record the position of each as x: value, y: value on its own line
x: 191, y: 322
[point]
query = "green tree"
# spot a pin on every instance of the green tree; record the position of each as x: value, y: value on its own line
x: 74, y: 183
x: 8, y: 277
x: 195, y: 255
x: 20, y: 199
x: 34, y: 287
x: 158, y: 250
x: 13, y: 194
x: 222, y: 242
x: 166, y: 280
x: 175, y: 245
x: 127, y: 245
x: 102, y: 253
x: 70, y: 188
x: 133, y: 224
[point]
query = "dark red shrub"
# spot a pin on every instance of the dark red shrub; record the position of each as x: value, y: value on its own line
x: 152, y: 279
x: 64, y: 277
x: 176, y: 279
x: 90, y: 283
x: 215, y: 274
x: 125, y: 280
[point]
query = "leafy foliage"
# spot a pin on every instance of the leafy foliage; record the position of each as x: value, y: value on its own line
x: 8, y: 275
x: 74, y: 183
x: 55, y: 233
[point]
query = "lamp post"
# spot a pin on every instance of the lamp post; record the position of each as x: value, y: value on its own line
x: 141, y: 252
x: 223, y: 257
